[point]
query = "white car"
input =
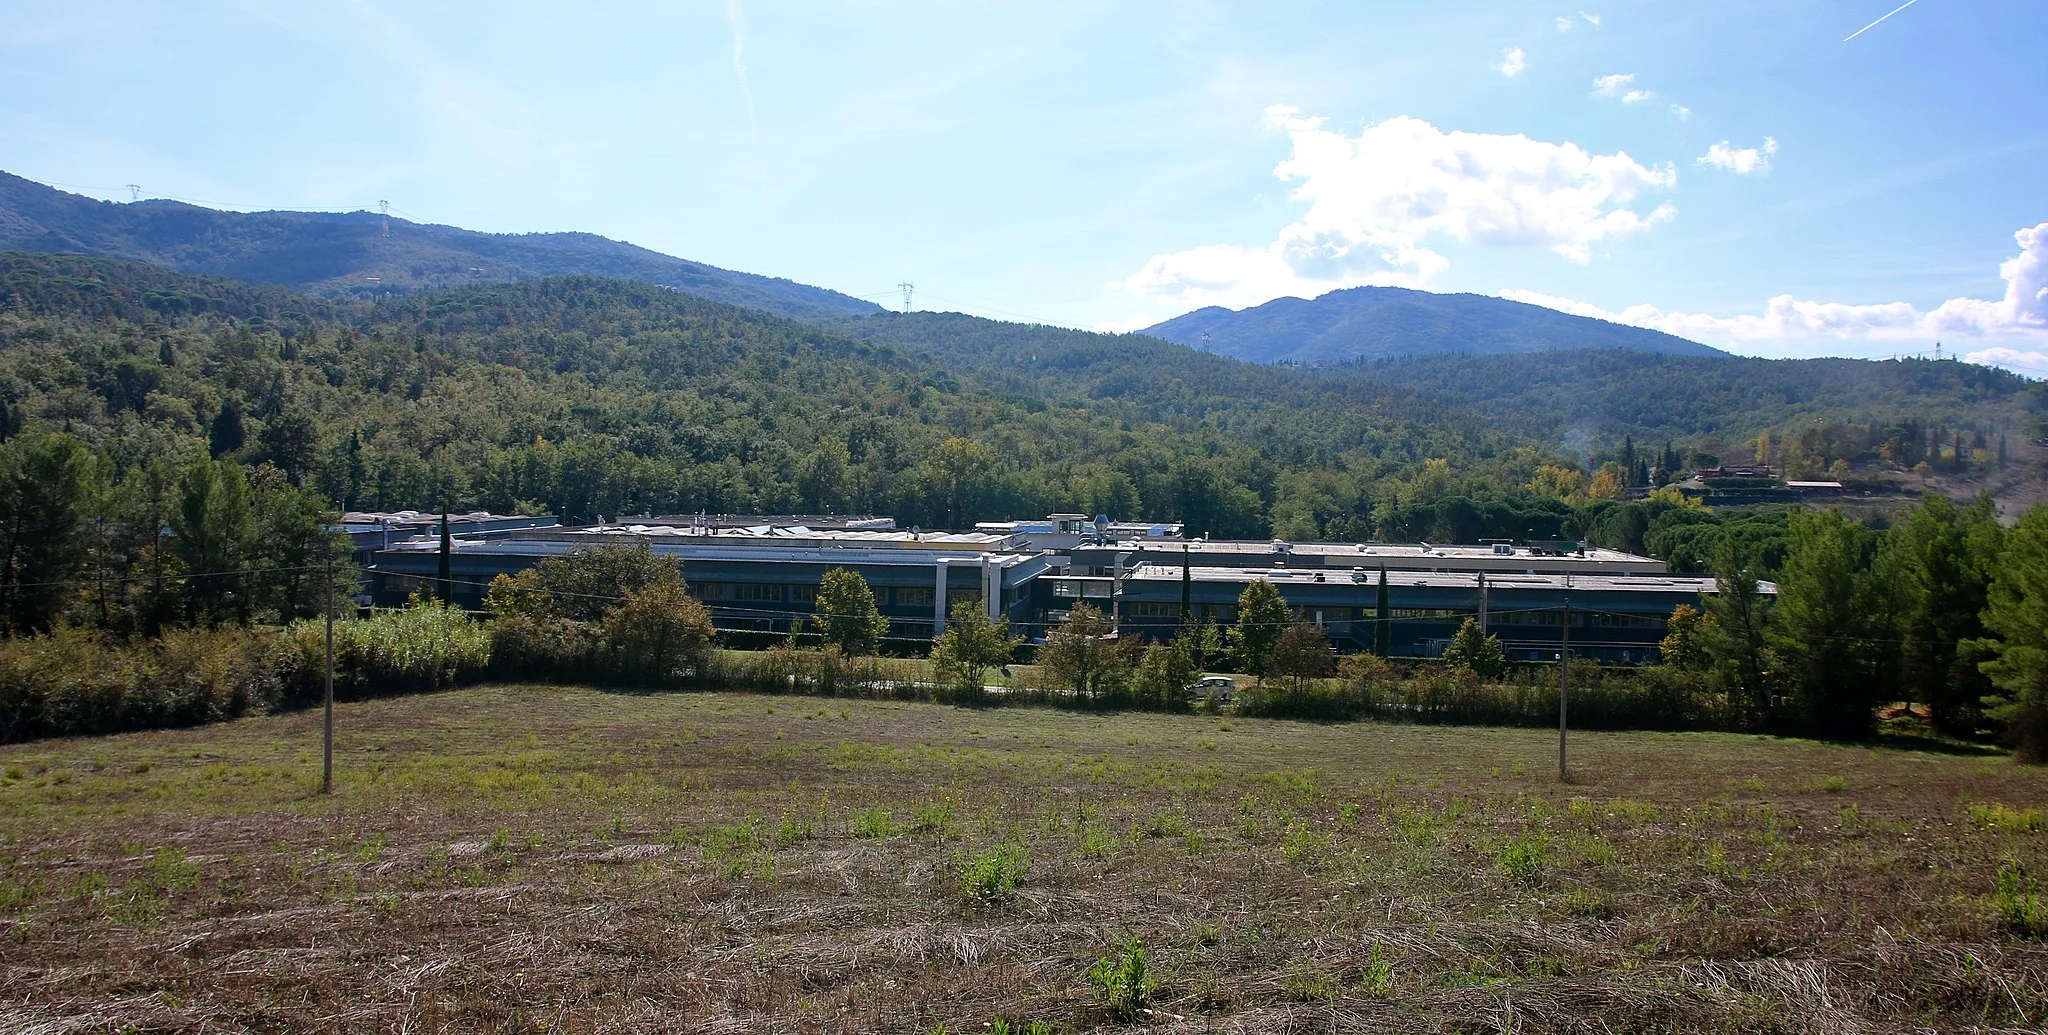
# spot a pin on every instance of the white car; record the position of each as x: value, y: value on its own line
x: 1223, y: 688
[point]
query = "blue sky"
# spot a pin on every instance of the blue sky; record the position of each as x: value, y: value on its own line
x: 1733, y: 171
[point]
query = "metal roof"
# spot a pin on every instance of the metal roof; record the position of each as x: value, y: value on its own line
x: 1445, y: 580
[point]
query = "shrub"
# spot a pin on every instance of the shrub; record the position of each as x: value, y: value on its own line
x: 529, y: 646
x: 78, y: 681
x: 657, y: 635
x: 426, y: 646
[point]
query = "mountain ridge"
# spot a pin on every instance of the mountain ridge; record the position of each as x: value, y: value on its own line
x: 1385, y: 322
x: 348, y: 254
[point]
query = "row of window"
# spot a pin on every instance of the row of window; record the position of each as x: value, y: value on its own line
x: 806, y: 594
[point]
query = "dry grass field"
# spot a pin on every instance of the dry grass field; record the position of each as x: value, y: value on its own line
x: 530, y: 859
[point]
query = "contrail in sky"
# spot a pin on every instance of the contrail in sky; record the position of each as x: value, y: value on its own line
x: 739, y: 51
x: 1873, y: 25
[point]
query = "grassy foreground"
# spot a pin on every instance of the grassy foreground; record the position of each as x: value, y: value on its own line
x: 532, y: 858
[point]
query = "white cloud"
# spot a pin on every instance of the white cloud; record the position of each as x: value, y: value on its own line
x: 1591, y: 19
x: 1377, y: 201
x: 1636, y: 96
x: 1565, y: 23
x: 1681, y: 113
x: 1612, y: 85
x: 1512, y: 62
x: 1740, y: 160
x: 2022, y: 313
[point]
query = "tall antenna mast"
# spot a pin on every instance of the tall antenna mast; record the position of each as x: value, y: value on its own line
x: 907, y: 287
x: 134, y: 191
x: 385, y: 207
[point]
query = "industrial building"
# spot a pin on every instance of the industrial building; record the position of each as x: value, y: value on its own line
x: 761, y: 575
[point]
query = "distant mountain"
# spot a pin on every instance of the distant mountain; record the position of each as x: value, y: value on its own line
x: 347, y: 254
x: 1378, y: 322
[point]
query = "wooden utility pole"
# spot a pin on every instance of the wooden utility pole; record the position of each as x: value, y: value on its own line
x: 327, y: 738
x: 1564, y: 676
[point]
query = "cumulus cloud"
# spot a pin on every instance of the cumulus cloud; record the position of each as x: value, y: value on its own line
x: 2021, y: 313
x: 1565, y: 23
x: 1681, y: 113
x: 1377, y: 201
x: 1512, y: 62
x: 1740, y: 160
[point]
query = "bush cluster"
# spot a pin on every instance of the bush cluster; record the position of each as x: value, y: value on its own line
x: 73, y: 681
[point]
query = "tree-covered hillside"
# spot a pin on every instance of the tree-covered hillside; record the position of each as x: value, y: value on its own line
x: 1379, y: 322
x: 1590, y: 400
x: 590, y: 397
x: 348, y: 254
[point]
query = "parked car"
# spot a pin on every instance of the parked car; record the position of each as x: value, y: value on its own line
x: 1222, y: 688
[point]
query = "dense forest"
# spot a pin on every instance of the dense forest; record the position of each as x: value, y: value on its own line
x: 585, y: 397
x: 1377, y: 322
x: 362, y: 254
x: 1590, y: 400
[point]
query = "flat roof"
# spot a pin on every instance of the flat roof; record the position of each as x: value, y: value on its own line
x: 770, y: 533
x: 1387, y: 551
x: 831, y: 555
x: 1695, y: 584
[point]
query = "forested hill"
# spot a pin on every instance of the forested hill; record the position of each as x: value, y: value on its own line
x: 1379, y: 322
x: 586, y: 397
x: 1589, y: 399
x: 1141, y: 378
x: 346, y: 254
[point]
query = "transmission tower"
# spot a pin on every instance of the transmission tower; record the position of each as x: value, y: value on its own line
x: 907, y: 287
x: 134, y: 191
x: 385, y: 207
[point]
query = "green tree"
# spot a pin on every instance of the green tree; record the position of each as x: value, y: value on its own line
x: 1300, y: 654
x: 2016, y: 615
x: 1082, y: 658
x: 582, y: 584
x: 972, y: 644
x: 226, y: 433
x: 1733, y: 635
x: 1262, y: 619
x: 1823, y: 593
x: 1935, y: 569
x: 212, y: 535
x: 846, y: 613
x: 46, y: 497
x: 294, y: 544
x: 1682, y: 647
x: 1164, y: 672
x: 658, y: 634
x: 1477, y: 650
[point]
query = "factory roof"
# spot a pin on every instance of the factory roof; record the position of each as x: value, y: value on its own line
x: 1374, y: 552
x: 702, y: 551
x: 1434, y: 579
x: 885, y: 538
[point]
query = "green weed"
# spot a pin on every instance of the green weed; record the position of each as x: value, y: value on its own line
x: 1378, y: 979
x: 996, y: 874
x: 1121, y: 979
x: 2018, y: 904
x: 1524, y: 857
x: 2009, y: 820
x: 874, y: 822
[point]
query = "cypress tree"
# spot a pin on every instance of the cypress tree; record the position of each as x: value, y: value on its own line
x: 444, y: 583
x: 1382, y: 627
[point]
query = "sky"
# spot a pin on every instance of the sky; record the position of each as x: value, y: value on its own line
x: 1740, y: 172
